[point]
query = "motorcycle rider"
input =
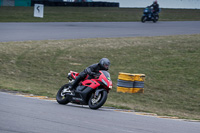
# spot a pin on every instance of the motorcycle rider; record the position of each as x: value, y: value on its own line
x: 155, y: 6
x: 103, y: 64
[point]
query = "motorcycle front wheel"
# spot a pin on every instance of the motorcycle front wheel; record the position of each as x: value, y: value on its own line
x: 96, y: 102
x: 61, y: 97
x: 143, y: 19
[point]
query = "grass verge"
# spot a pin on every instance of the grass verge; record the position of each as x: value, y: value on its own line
x: 171, y: 65
x: 92, y: 14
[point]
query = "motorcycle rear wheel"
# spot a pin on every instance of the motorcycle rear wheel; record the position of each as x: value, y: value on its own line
x: 155, y: 18
x: 61, y: 98
x: 97, y: 102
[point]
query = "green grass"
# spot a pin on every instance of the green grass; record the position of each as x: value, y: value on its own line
x: 171, y: 65
x: 92, y: 14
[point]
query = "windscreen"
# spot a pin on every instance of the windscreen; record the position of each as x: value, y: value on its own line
x: 107, y: 74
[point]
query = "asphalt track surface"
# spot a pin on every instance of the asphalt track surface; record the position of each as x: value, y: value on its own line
x: 20, y: 114
x: 77, y: 30
x: 29, y: 115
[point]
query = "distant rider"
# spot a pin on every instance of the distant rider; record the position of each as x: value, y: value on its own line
x: 155, y: 6
x: 103, y: 64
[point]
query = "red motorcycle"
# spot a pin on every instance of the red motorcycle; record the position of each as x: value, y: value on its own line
x: 92, y: 91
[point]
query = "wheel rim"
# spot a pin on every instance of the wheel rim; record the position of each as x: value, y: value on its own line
x: 144, y: 19
x: 96, y: 100
x: 63, y: 93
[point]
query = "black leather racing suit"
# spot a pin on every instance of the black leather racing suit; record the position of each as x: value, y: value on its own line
x: 155, y: 8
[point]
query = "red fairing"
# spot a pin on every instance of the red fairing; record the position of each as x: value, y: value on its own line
x: 74, y: 74
x: 91, y: 83
x: 105, y: 79
x: 110, y: 84
x: 94, y: 83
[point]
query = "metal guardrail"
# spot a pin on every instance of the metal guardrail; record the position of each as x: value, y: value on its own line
x: 74, y: 4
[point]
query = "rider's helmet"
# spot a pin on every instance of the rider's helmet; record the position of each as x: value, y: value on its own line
x: 104, y: 63
x: 155, y: 2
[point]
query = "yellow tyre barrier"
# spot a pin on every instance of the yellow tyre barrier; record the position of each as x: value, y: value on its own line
x: 130, y: 83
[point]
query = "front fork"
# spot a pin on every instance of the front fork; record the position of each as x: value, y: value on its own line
x: 97, y: 92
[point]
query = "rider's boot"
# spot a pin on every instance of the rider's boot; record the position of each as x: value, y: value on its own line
x: 75, y: 83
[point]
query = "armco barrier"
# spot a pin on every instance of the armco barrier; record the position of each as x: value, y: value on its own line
x: 74, y: 4
x: 130, y: 83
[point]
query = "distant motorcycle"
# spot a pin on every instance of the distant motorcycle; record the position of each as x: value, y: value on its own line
x: 148, y: 15
x: 92, y: 91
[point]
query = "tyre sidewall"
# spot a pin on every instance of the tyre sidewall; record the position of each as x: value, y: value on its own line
x: 58, y: 96
x: 102, y: 101
x: 143, y: 19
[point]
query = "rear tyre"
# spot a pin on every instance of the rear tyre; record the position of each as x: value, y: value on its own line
x: 154, y: 20
x: 143, y: 19
x: 61, y: 97
x: 98, y: 101
x: 157, y: 17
